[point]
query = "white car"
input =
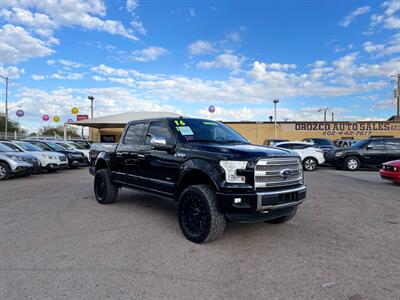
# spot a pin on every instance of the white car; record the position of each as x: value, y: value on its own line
x: 50, y: 161
x: 72, y: 146
x: 311, y: 156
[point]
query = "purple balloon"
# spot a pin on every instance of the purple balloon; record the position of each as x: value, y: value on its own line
x: 211, y: 108
x: 20, y: 113
x: 45, y: 118
x: 70, y: 121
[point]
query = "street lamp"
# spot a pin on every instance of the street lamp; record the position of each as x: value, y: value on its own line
x: 276, y: 101
x: 6, y: 119
x: 91, y: 99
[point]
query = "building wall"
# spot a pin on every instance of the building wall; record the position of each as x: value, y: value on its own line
x: 295, y: 131
x: 258, y: 132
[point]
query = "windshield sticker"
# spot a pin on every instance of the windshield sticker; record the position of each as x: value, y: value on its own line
x: 210, y: 123
x: 179, y: 123
x: 185, y: 130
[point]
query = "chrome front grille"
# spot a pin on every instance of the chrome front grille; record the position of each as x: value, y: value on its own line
x: 278, y: 172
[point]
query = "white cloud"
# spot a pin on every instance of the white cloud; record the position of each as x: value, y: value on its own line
x: 149, y: 54
x: 65, y: 62
x: 18, y: 45
x: 131, y: 5
x: 11, y: 72
x: 280, y: 67
x: 138, y: 26
x: 201, y: 47
x: 226, y: 61
x: 389, y: 19
x: 37, y: 77
x: 350, y: 17
x: 234, y: 36
x: 379, y: 50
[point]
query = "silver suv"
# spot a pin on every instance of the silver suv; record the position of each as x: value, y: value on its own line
x: 14, y: 163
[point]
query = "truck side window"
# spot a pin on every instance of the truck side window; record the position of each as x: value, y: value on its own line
x: 135, y: 133
x: 159, y: 129
x: 393, y: 145
x: 377, y: 145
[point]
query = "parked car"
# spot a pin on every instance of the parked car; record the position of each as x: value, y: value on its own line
x: 272, y: 142
x: 49, y: 161
x: 391, y: 171
x: 83, y: 143
x: 15, y: 163
x: 212, y: 172
x: 310, y: 156
x: 75, y: 159
x: 366, y: 153
x: 325, y: 144
x: 74, y: 147
x: 344, y: 143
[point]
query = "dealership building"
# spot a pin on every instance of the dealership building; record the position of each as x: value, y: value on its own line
x: 109, y: 128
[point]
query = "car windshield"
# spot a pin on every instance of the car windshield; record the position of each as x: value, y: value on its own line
x: 360, y: 144
x: 28, y: 147
x: 4, y: 148
x: 55, y: 146
x: 66, y: 146
x: 321, y: 142
x: 197, y: 130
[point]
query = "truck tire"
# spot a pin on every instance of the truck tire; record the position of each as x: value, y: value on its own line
x: 310, y: 164
x: 352, y: 163
x: 284, y: 219
x: 105, y: 191
x: 199, y: 218
x: 5, y: 172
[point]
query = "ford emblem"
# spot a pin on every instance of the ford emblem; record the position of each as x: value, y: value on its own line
x: 285, y: 173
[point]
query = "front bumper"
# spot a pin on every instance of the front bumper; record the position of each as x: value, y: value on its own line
x: 390, y: 175
x: 260, y: 206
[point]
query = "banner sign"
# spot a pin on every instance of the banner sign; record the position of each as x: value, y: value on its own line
x: 81, y: 117
x: 347, y: 128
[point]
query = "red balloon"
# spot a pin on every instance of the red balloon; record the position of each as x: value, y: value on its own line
x: 45, y: 118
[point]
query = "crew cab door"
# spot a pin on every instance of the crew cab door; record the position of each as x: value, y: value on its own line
x: 125, y: 163
x: 375, y: 153
x: 392, y: 149
x: 159, y: 167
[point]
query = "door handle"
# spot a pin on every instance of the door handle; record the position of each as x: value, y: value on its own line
x: 141, y: 156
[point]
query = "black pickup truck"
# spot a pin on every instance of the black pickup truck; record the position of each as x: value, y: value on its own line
x: 213, y: 173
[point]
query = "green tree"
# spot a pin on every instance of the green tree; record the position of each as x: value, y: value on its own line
x: 11, y: 125
x: 59, y: 130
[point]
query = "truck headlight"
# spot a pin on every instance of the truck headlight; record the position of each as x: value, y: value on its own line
x: 230, y: 167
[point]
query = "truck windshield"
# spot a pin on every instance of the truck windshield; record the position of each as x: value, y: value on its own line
x: 197, y: 130
x: 360, y: 144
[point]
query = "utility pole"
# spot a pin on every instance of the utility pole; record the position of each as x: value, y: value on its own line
x: 398, y: 97
x: 91, y: 99
x: 276, y: 101
x: 325, y: 110
x: 6, y: 119
x: 333, y: 116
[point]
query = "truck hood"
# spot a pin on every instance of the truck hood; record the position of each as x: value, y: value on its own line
x: 239, y: 151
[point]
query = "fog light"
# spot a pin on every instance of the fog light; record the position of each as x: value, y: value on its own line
x: 238, y: 200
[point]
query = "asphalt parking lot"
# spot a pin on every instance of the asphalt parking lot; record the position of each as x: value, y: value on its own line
x: 58, y: 243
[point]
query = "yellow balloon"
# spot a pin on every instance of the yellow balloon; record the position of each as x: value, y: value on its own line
x: 74, y: 110
x: 56, y: 119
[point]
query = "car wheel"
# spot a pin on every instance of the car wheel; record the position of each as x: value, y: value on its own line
x: 284, y: 219
x: 4, y: 171
x: 352, y: 163
x: 310, y: 164
x: 105, y: 191
x: 199, y: 218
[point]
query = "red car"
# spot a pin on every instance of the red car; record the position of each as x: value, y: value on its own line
x: 391, y: 171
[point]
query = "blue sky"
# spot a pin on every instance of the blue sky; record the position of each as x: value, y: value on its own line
x: 183, y: 56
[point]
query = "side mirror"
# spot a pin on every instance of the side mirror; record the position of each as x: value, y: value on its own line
x: 159, y: 143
